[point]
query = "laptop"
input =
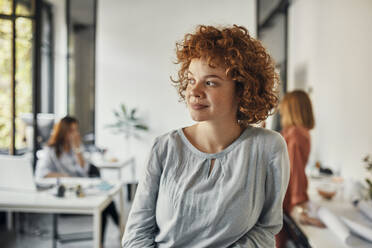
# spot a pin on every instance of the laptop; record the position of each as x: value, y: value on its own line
x: 16, y: 173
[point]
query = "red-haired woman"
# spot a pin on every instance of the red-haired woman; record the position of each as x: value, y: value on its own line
x: 221, y: 181
x: 63, y: 157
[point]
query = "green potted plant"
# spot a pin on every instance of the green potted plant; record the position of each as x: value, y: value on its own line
x: 127, y: 124
x: 368, y: 162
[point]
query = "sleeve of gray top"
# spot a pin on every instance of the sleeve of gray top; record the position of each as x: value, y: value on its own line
x: 45, y: 164
x: 141, y: 226
x: 271, y: 219
x: 83, y: 171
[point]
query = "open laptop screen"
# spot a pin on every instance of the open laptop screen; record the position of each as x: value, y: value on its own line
x: 16, y: 173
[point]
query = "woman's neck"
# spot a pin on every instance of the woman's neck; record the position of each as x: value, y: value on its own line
x: 212, y: 137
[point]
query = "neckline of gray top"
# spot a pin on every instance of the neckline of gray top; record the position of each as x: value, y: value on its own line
x: 196, y: 151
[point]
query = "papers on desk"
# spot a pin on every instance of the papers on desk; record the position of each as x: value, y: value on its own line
x: 365, y: 207
x: 343, y: 227
x: 358, y: 229
x: 334, y: 224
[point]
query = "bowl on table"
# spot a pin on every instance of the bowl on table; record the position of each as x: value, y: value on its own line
x: 327, y: 190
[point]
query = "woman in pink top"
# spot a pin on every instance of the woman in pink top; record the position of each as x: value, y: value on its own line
x: 297, y: 120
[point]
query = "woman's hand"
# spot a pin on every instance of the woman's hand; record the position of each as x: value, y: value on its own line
x: 75, y: 141
x: 305, y: 219
x: 301, y: 213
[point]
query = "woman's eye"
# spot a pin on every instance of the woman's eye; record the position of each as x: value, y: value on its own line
x: 210, y: 83
x: 191, y: 81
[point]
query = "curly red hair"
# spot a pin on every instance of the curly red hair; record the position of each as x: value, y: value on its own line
x: 245, y: 61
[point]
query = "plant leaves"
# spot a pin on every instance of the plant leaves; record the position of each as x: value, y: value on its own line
x: 141, y: 126
x: 127, y: 124
x: 132, y: 113
x: 123, y: 109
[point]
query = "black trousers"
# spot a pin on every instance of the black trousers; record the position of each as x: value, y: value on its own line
x: 110, y: 210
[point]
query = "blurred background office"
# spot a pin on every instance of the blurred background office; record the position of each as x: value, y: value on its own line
x: 86, y: 58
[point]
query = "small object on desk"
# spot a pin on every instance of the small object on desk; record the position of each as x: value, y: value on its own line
x: 104, y: 186
x: 326, y: 194
x: 323, y: 170
x: 327, y: 190
x: 61, y: 189
x: 79, y: 191
x: 114, y: 160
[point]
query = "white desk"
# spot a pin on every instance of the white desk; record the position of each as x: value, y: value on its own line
x: 323, y: 237
x: 102, y: 164
x: 45, y: 202
x: 107, y: 165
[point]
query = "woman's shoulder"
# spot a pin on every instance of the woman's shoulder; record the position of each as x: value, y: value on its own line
x: 167, y: 137
x: 46, y: 153
x: 296, y: 132
x: 50, y: 150
x: 266, y: 136
x: 167, y: 140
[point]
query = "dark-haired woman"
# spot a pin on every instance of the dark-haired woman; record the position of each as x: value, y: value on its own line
x: 63, y: 157
x: 220, y: 182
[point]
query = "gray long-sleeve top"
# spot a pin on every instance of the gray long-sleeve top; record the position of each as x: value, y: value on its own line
x: 239, y: 204
x: 66, y: 163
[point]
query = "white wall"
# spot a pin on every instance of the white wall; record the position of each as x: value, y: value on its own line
x: 135, y: 51
x: 330, y: 52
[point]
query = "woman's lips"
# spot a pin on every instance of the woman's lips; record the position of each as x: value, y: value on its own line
x: 198, y: 106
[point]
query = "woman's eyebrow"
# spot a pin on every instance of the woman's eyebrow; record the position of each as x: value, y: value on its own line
x: 207, y: 76
x: 213, y: 75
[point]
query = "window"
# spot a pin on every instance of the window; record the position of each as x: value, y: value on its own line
x: 17, y: 20
x: 16, y: 25
x: 81, y: 19
x: 272, y: 18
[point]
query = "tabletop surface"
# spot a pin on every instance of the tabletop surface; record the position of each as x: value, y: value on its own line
x: 319, y: 237
x: 110, y: 164
x: 93, y: 198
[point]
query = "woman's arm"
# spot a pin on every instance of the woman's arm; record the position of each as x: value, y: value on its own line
x: 45, y: 166
x: 271, y: 218
x: 56, y: 174
x: 297, y: 187
x: 141, y: 226
x: 78, y: 149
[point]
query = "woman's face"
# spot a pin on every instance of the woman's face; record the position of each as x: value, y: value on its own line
x: 210, y: 95
x: 73, y: 132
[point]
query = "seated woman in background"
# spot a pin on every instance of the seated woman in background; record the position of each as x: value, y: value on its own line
x: 63, y: 157
x: 297, y: 120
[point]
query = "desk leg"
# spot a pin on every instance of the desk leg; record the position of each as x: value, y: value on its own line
x: 97, y: 229
x: 9, y: 220
x: 55, y: 230
x: 121, y: 222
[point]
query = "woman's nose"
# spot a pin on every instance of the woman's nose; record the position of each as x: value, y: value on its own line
x: 196, y: 90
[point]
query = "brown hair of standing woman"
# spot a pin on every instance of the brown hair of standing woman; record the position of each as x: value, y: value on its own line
x: 296, y: 110
x: 60, y: 132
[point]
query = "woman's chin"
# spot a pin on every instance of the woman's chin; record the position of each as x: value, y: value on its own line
x: 198, y: 118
